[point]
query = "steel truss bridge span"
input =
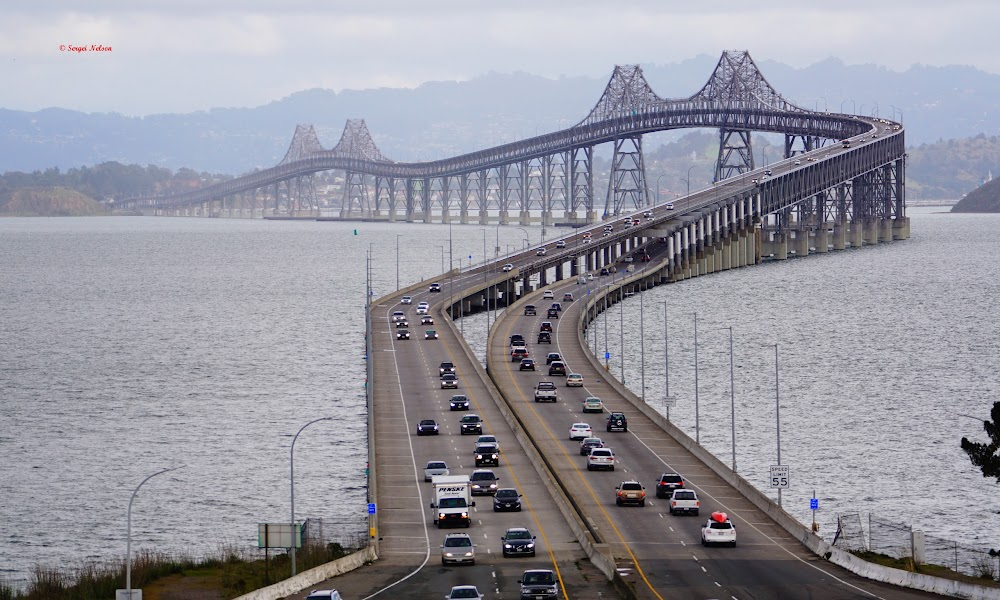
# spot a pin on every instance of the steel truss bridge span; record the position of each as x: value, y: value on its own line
x: 545, y: 172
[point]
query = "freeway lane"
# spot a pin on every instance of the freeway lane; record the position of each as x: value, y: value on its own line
x: 664, y: 550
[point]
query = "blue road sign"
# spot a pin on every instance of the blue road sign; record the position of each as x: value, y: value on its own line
x: 814, y: 504
x: 607, y: 355
x: 371, y: 508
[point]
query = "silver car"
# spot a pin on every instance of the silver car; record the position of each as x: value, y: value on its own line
x: 458, y: 548
x: 435, y: 467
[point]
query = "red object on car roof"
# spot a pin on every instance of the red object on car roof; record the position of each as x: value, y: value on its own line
x: 720, y: 517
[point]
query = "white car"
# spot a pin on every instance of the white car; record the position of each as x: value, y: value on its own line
x: 601, y: 458
x: 561, y: 244
x: 486, y: 439
x: 324, y: 595
x: 670, y: 206
x: 718, y: 530
x: 507, y: 268
x: 422, y: 308
x: 435, y: 467
x: 798, y: 162
x: 406, y: 300
x: 464, y: 591
x: 548, y: 295
x: 580, y: 430
x: 398, y: 316
x: 540, y: 252
x: 574, y: 380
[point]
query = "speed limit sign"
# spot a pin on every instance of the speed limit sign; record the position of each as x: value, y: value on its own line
x: 779, y: 476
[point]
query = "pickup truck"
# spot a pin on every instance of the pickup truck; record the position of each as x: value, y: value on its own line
x: 545, y: 391
x: 684, y: 501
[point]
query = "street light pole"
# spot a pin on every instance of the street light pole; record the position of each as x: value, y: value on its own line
x: 732, y: 395
x: 688, y: 180
x: 397, y: 261
x: 642, y: 350
x: 658, y: 188
x: 697, y: 428
x: 291, y: 462
x: 607, y: 292
x: 777, y: 413
x: 666, y: 364
x: 451, y: 257
x: 442, y: 258
x: 128, y: 534
x: 621, y: 330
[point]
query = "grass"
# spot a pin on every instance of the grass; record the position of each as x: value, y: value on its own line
x: 986, y: 576
x: 228, y: 574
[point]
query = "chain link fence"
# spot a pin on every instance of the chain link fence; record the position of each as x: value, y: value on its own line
x: 899, y: 540
x: 351, y: 535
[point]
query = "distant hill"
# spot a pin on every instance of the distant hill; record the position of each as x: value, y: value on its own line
x: 445, y: 118
x: 984, y: 199
x: 48, y: 202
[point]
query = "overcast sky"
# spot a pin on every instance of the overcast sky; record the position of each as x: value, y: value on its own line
x: 187, y: 55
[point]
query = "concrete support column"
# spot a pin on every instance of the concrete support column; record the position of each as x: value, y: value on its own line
x: 801, y: 242
x: 504, y: 217
x: 779, y: 246
x: 525, y: 218
x: 726, y: 253
x: 484, y: 217
x: 592, y: 217
x: 822, y: 239
x: 574, y: 267
x: 559, y: 272
x: 885, y: 230
x: 901, y: 228
x: 840, y: 236
x: 871, y: 232
x: 856, y: 234
x: 543, y: 280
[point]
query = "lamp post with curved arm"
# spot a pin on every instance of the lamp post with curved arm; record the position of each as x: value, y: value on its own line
x: 527, y: 238
x: 658, y: 177
x: 128, y: 534
x: 291, y: 462
x: 688, y: 180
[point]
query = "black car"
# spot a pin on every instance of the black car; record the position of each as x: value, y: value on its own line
x: 435, y: 287
x: 518, y: 541
x: 552, y: 313
x: 556, y: 306
x: 483, y: 482
x: 545, y: 327
x: 449, y: 380
x: 552, y: 357
x: 402, y: 323
x: 544, y: 337
x: 617, y: 422
x: 529, y: 310
x: 487, y: 455
x: 557, y: 368
x: 458, y: 402
x: 527, y: 364
x: 403, y: 334
x: 472, y: 425
x: 539, y: 583
x: 667, y: 484
x: 446, y: 367
x: 604, y: 272
x: 517, y: 337
x: 506, y: 499
x: 589, y: 444
x: 427, y: 427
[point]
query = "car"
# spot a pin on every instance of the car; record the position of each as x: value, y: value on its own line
x: 593, y: 404
x: 544, y: 337
x: 548, y: 295
x: 604, y: 272
x: 590, y: 276
x: 430, y: 334
x: 426, y: 320
x: 546, y: 390
x: 588, y: 444
x: 587, y: 240
x: 447, y: 367
x: 518, y: 353
x: 617, y: 422
x: 458, y: 548
x: 518, y: 344
x: 798, y: 161
x: 586, y: 235
x: 488, y: 439
x: 449, y: 381
x: 402, y: 323
x: 403, y: 334
x: 628, y: 225
x: 630, y: 492
x: 601, y: 458
x: 458, y: 402
x: 556, y: 306
x: 574, y: 380
x: 435, y: 287
x: 406, y: 300
x: 487, y: 455
x: 580, y: 431
x: 507, y: 268
x: 540, y: 251
x: 422, y: 308
x: 527, y: 364
x: 667, y: 483
x: 464, y: 591
x: 518, y: 541
x: 529, y: 310
x: 552, y: 357
x: 669, y: 206
x: 811, y: 159
x: 648, y: 214
x: 471, y: 425
x: 539, y: 584
x: 506, y: 499
x: 845, y: 143
x: 718, y: 530
x: 552, y: 313
x: 754, y: 181
x: 435, y: 467
x: 767, y: 172
x: 561, y: 244
x: 684, y: 501
x: 427, y: 427
x: 606, y: 234
x: 646, y: 258
x: 557, y: 368
x: 567, y: 297
x: 608, y: 228
x: 324, y: 595
x: 398, y: 316
x: 484, y: 482
x: 546, y: 326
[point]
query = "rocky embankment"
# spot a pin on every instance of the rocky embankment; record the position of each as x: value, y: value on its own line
x: 49, y: 202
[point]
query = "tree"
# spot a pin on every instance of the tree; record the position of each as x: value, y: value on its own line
x: 986, y: 456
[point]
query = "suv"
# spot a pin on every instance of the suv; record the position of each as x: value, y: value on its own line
x: 552, y: 313
x: 718, y: 530
x: 667, y: 484
x: 518, y: 353
x: 406, y: 300
x: 544, y: 337
x: 617, y: 421
x: 324, y: 595
x: 518, y: 541
x: 435, y: 287
x: 484, y: 482
x: 472, y: 425
x: 458, y: 548
x: 601, y: 458
x: 487, y: 455
x: 458, y: 402
x: 552, y: 356
x: 506, y: 499
x: 630, y: 492
x: 557, y: 368
x: 545, y: 327
x: 529, y: 310
x: 449, y: 381
x: 538, y: 583
x: 446, y: 367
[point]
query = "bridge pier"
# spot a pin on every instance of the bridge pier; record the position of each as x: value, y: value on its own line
x: 821, y: 239
x: 839, y: 237
x: 871, y: 232
x: 885, y: 230
x: 524, y: 218
x: 559, y: 272
x: 901, y: 228
x: 856, y: 234
x: 801, y: 242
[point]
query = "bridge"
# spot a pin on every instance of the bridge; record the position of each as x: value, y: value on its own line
x: 554, y: 172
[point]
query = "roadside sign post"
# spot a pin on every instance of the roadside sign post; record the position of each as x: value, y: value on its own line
x: 814, y: 506
x: 779, y: 479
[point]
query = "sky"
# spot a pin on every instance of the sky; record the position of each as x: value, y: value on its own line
x: 161, y: 56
